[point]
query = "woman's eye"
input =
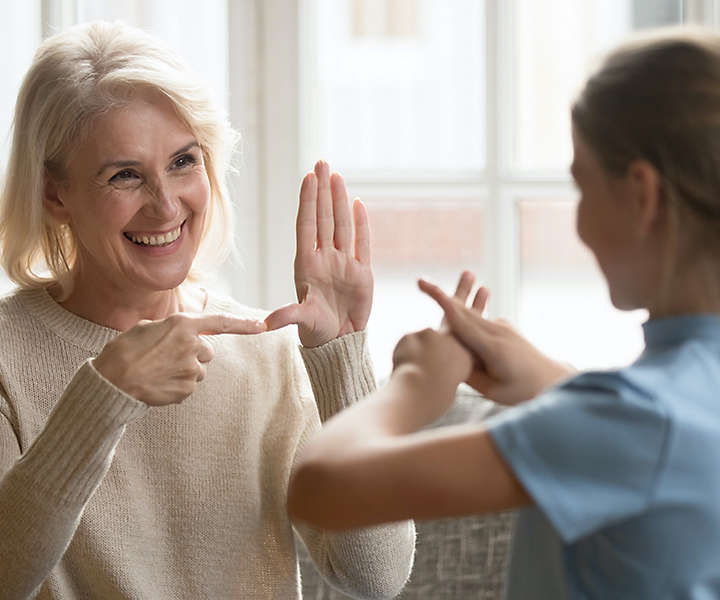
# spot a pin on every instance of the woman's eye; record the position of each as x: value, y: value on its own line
x: 185, y: 160
x: 124, y: 175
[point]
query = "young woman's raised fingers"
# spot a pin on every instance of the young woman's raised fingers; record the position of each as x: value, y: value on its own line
x: 436, y: 293
x: 464, y: 323
x: 480, y: 300
x: 464, y: 286
x: 462, y: 291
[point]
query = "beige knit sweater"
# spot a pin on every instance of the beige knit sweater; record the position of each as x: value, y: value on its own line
x: 102, y: 497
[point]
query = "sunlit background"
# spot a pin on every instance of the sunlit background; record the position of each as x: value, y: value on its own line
x: 449, y: 119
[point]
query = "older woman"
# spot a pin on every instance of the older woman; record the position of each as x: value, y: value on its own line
x: 147, y: 435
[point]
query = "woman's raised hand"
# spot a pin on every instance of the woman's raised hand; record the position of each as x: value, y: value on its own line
x: 161, y: 362
x: 333, y: 277
x: 508, y: 368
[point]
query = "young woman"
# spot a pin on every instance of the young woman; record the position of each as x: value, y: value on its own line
x: 617, y: 470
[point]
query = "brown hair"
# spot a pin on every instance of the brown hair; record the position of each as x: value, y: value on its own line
x: 657, y: 98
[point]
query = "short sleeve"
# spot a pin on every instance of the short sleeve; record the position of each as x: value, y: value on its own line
x: 588, y: 451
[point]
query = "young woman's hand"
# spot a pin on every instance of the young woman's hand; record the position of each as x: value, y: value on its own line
x: 161, y: 362
x: 508, y: 369
x: 429, y: 365
x: 333, y: 277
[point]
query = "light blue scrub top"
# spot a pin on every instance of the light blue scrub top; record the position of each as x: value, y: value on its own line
x: 624, y: 469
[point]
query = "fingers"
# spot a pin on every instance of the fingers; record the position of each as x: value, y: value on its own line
x: 286, y: 315
x: 464, y: 286
x: 306, y: 223
x: 218, y: 323
x: 465, y: 323
x: 341, y: 212
x: 201, y: 371
x: 325, y: 220
x: 436, y: 294
x: 462, y: 291
x: 362, y: 232
x: 205, y: 352
x: 481, y: 298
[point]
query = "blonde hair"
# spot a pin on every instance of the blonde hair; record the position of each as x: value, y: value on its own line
x: 74, y: 77
x: 657, y: 98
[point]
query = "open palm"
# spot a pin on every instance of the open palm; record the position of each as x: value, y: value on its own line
x: 333, y: 277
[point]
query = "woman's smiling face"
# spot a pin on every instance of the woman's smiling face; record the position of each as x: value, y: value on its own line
x: 135, y: 194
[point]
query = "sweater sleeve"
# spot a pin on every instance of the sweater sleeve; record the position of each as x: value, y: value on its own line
x: 371, y: 562
x: 43, y: 492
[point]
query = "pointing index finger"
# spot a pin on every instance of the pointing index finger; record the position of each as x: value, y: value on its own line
x: 223, y: 323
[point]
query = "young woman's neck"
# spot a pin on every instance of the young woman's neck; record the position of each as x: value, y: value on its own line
x: 695, y: 289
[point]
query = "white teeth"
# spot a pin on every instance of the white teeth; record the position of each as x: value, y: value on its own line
x: 155, y: 240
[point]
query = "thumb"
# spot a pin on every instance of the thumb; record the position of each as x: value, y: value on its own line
x: 283, y: 316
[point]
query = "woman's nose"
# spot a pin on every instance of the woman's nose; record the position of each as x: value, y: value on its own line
x: 162, y: 203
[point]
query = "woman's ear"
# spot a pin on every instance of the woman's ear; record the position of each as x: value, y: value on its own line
x: 645, y: 194
x: 52, y: 200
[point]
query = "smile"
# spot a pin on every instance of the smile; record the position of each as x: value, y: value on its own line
x: 155, y: 239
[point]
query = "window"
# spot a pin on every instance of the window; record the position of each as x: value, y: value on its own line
x: 452, y: 123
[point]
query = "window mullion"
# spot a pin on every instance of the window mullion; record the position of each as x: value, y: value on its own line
x: 501, y: 236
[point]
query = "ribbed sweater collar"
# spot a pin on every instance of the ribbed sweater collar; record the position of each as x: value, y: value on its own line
x: 63, y: 323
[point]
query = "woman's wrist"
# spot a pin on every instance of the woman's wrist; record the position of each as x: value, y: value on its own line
x: 553, y: 373
x: 420, y: 397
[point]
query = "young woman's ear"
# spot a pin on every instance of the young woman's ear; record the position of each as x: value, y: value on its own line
x: 53, y: 202
x: 645, y: 194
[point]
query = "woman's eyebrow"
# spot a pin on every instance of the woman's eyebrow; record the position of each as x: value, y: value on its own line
x: 134, y: 163
x: 185, y: 148
x: 117, y: 164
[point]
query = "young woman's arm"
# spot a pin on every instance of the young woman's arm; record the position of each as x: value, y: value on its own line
x: 370, y: 465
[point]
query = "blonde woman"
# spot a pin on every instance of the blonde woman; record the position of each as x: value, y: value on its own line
x: 148, y: 427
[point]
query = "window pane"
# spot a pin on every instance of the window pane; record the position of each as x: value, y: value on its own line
x: 555, y: 44
x: 19, y: 36
x: 436, y: 241
x: 564, y: 305
x: 394, y: 85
